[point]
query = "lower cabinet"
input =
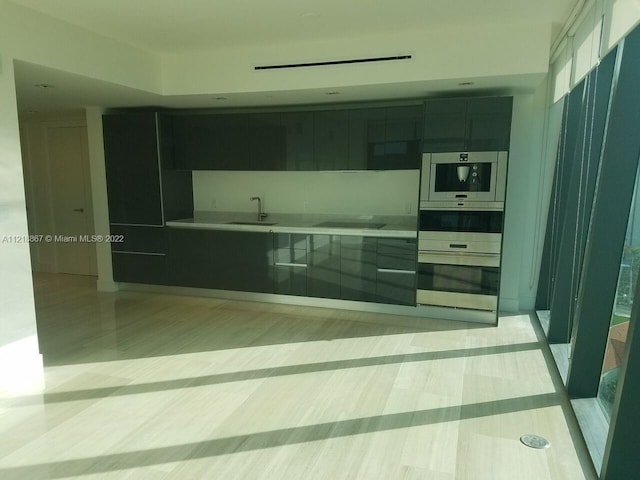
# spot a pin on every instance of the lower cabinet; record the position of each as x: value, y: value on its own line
x: 323, y: 272
x: 346, y: 267
x: 138, y: 254
x: 290, y: 264
x: 219, y: 259
x: 358, y: 268
x: 396, y: 271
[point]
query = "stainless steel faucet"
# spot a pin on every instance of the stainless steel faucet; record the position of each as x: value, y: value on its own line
x: 261, y: 214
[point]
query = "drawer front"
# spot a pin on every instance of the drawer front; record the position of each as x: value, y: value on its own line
x: 397, y: 246
x: 396, y: 262
x: 139, y: 268
x: 459, y: 246
x: 296, y: 241
x: 290, y: 256
x: 138, y: 239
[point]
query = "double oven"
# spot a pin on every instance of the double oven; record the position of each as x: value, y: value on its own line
x: 460, y: 237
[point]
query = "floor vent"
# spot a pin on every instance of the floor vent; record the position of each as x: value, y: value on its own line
x: 333, y: 62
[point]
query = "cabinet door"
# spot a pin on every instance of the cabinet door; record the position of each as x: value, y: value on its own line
x: 139, y: 254
x: 211, y: 142
x: 366, y: 137
x: 299, y: 128
x: 290, y: 264
x: 358, y: 268
x: 396, y: 271
x: 445, y: 125
x: 190, y: 263
x: 331, y: 140
x: 132, y: 168
x: 222, y: 260
x: 488, y: 123
x: 323, y: 272
x: 267, y: 140
x: 403, y: 136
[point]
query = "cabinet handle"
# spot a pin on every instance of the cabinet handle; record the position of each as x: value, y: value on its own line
x: 284, y: 264
x: 457, y: 245
x: 391, y: 270
x: 80, y: 210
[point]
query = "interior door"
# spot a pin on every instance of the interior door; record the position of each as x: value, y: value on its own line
x: 71, y: 193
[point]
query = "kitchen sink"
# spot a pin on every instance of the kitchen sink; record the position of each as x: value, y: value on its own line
x: 251, y: 223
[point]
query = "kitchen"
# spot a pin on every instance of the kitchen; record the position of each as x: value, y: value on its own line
x: 303, y: 246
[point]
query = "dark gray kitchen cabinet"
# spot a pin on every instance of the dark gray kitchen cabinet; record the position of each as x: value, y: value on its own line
x: 396, y: 271
x: 290, y: 263
x: 358, y: 268
x: 401, y: 148
x: 467, y: 124
x: 143, y: 190
x: 299, y: 140
x: 138, y: 254
x: 267, y: 142
x: 217, y: 259
x: 489, y: 123
x: 323, y: 270
x: 132, y: 167
x: 331, y: 140
x: 367, y: 130
x: 211, y: 141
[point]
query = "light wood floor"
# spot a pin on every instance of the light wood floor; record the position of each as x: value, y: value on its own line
x: 148, y: 386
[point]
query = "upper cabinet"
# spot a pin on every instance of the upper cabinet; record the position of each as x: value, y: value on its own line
x: 132, y: 168
x: 333, y: 139
x: 467, y: 124
x: 143, y: 186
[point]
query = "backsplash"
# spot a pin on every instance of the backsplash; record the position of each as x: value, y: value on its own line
x: 391, y: 192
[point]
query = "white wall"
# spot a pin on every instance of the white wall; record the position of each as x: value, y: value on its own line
x: 354, y: 193
x: 20, y: 361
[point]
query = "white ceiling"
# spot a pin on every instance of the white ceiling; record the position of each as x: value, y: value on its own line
x: 172, y: 26
x: 165, y: 26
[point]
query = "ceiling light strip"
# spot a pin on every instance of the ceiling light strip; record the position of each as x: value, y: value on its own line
x: 333, y: 62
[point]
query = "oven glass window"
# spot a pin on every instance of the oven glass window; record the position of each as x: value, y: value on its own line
x: 458, y: 278
x: 463, y: 177
x: 460, y: 221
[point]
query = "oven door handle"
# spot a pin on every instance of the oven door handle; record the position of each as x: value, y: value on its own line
x: 459, y: 258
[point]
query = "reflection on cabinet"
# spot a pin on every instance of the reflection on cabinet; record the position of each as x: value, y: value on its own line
x: 299, y: 133
x: 290, y: 263
x: 323, y: 272
x: 346, y: 267
x: 467, y: 124
x: 358, y: 268
x: 401, y: 148
x: 331, y: 140
x: 384, y: 138
x: 396, y: 271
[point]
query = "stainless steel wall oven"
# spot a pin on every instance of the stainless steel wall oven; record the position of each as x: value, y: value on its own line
x: 460, y: 237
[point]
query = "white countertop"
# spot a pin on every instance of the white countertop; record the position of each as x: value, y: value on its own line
x: 399, y: 226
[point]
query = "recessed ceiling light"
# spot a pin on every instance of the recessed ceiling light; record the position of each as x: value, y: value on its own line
x: 465, y: 84
x: 43, y: 85
x: 332, y: 92
x: 310, y: 15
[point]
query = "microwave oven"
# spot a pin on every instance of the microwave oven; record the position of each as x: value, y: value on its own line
x: 463, y: 177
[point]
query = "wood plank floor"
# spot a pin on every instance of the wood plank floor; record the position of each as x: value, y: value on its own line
x: 154, y: 386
